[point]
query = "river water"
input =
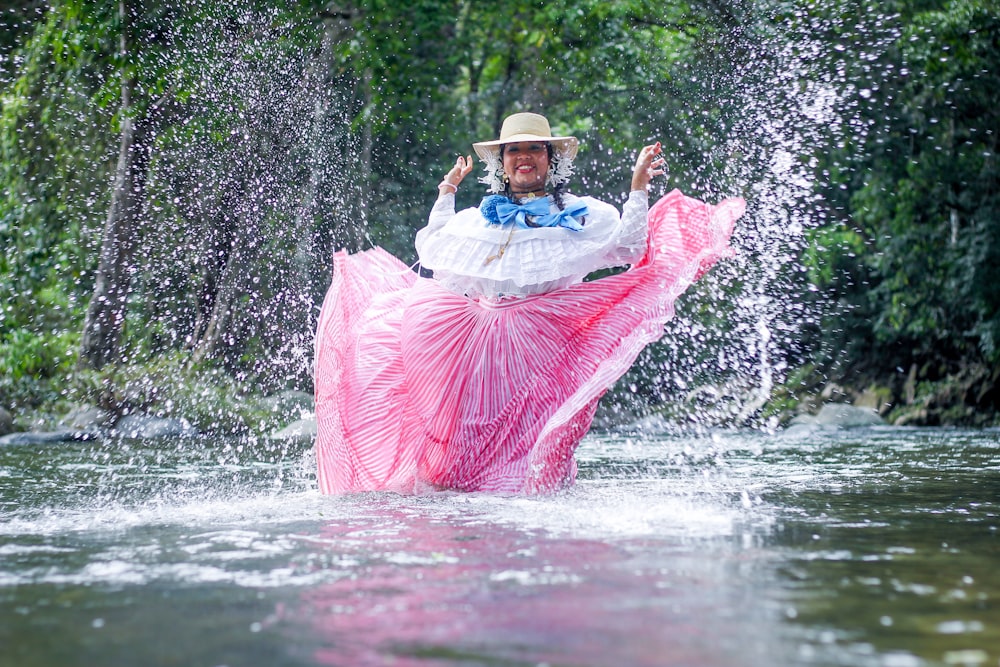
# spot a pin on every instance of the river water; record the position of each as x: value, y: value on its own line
x: 819, y: 547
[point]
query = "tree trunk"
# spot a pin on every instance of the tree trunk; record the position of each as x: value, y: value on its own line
x: 104, y: 323
x: 233, y: 284
x: 329, y: 213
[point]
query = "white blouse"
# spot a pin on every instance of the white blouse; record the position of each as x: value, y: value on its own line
x: 458, y: 247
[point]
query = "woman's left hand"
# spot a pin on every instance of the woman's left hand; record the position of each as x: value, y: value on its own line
x: 648, y: 165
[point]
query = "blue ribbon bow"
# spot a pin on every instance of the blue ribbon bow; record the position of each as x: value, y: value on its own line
x: 499, y: 210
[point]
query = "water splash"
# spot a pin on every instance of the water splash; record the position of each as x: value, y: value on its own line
x: 793, y: 95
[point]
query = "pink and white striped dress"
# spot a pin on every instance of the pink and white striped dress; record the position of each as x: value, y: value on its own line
x: 487, y: 377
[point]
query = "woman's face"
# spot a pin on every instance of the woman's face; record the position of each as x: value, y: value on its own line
x: 526, y: 164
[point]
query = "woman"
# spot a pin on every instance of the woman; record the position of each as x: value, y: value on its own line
x: 487, y: 376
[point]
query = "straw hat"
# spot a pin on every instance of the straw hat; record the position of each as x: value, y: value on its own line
x: 526, y: 127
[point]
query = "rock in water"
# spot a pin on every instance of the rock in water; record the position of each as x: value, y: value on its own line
x: 6, y: 422
x: 840, y: 415
x: 45, y: 437
x: 302, y: 429
x: 147, y: 426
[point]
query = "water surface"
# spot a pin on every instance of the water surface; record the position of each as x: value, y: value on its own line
x: 853, y: 547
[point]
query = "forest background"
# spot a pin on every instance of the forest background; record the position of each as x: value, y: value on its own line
x: 176, y: 175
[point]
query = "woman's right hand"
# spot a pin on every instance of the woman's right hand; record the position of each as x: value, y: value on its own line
x: 463, y: 165
x: 650, y: 163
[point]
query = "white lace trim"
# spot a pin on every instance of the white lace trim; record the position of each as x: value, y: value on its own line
x: 534, y: 260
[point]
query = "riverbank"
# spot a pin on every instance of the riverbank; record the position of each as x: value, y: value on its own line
x: 966, y: 395
x: 167, y: 397
x: 164, y: 400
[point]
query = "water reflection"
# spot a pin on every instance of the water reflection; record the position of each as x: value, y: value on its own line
x: 874, y: 547
x: 428, y: 591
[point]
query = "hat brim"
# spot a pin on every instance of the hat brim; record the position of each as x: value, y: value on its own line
x: 568, y: 146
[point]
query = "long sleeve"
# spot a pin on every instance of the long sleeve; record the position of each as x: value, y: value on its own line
x: 631, y: 242
x: 442, y: 211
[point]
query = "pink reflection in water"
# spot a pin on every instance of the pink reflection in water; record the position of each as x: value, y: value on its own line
x: 423, y: 591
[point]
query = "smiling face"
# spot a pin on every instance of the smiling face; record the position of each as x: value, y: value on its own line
x: 526, y: 164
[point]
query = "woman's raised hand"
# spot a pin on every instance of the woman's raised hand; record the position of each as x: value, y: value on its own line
x: 463, y: 165
x: 648, y: 165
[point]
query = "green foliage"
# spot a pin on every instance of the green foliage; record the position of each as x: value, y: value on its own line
x: 918, y: 263
x: 52, y: 150
x: 207, y: 395
x: 832, y: 253
x: 33, y: 365
x: 52, y: 191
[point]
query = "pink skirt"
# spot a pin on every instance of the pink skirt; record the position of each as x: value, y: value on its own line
x: 420, y: 388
